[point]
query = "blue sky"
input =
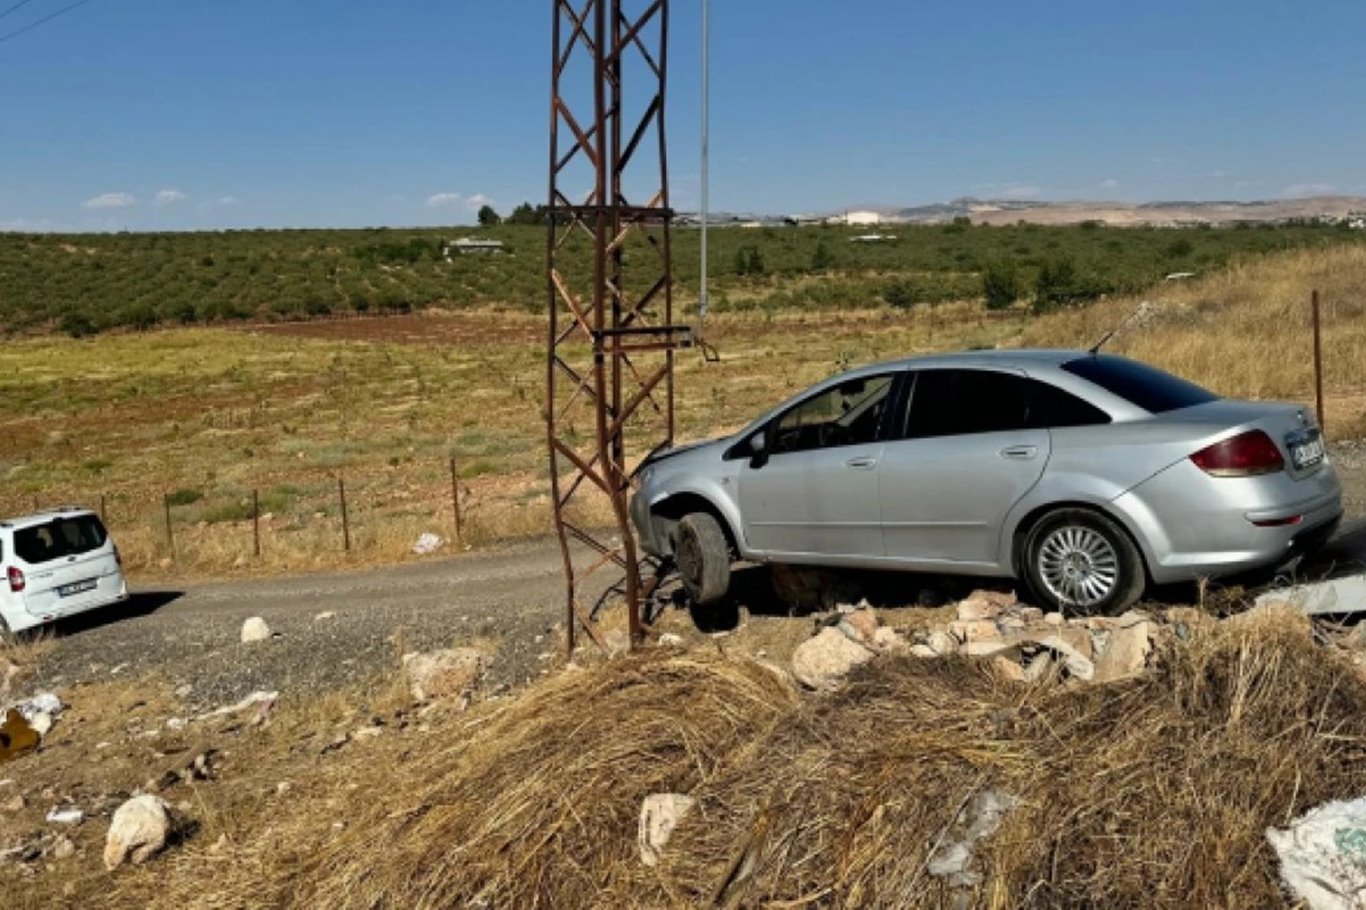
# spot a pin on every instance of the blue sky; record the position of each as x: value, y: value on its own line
x: 171, y: 114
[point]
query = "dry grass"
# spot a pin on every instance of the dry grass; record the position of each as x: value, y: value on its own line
x: 1246, y: 331
x: 1153, y: 792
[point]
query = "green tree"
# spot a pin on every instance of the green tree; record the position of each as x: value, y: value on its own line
x: 488, y: 217
x: 821, y: 259
x: 1000, y: 285
x: 526, y: 214
x: 749, y: 260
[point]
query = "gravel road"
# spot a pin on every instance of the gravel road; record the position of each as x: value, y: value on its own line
x: 510, y: 597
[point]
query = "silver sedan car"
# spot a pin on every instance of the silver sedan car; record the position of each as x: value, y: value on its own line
x: 1085, y: 476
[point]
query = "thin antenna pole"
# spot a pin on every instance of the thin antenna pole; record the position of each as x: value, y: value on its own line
x: 706, y: 159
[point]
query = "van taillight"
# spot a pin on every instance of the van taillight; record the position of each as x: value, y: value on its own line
x: 16, y: 579
x: 1243, y: 455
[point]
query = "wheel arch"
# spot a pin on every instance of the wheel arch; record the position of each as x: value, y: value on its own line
x: 1031, y: 518
x: 674, y: 506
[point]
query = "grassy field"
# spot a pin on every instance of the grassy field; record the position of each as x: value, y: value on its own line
x: 206, y: 416
x: 83, y: 284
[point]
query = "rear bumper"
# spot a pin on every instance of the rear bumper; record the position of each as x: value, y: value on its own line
x: 1191, y: 526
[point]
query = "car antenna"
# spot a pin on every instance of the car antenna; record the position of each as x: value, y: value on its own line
x: 1141, y: 308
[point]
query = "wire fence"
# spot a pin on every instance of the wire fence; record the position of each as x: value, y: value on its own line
x: 309, y: 519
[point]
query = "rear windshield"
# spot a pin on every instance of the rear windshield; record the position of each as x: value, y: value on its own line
x: 1137, y: 383
x: 58, y: 538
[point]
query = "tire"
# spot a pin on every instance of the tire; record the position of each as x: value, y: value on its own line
x: 1079, y: 561
x: 703, y: 557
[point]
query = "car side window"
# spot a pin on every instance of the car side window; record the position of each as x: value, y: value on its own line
x: 959, y: 402
x: 847, y: 414
x: 1050, y: 406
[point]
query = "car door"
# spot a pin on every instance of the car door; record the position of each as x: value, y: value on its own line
x: 963, y: 457
x: 814, y: 491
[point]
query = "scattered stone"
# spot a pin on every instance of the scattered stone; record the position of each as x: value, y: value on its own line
x: 864, y: 622
x: 436, y: 674
x: 1126, y: 651
x: 942, y: 643
x: 427, y: 544
x: 974, y: 630
x: 670, y: 640
x: 886, y: 639
x: 1053, y: 619
x: 183, y: 691
x: 1038, y: 667
x: 41, y: 723
x: 923, y: 651
x: 660, y: 813
x: 254, y: 630
x: 952, y: 859
x: 176, y: 723
x: 1008, y: 669
x: 68, y: 815
x: 62, y: 848
x: 325, y: 615
x: 1070, y: 643
x: 1338, y: 595
x: 260, y: 700
x: 367, y: 733
x: 822, y: 661
x: 138, y: 831
x: 15, y: 803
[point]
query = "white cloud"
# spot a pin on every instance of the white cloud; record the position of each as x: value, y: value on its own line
x: 169, y: 197
x: 477, y: 202
x: 1020, y: 191
x: 229, y: 200
x: 111, y: 201
x: 1108, y: 184
x: 443, y: 200
x: 1300, y: 190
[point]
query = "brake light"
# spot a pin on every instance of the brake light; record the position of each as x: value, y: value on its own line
x: 16, y: 579
x: 1244, y: 455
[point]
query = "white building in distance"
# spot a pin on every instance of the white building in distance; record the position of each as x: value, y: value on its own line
x: 862, y: 218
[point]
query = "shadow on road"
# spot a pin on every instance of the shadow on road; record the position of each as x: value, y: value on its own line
x: 141, y: 603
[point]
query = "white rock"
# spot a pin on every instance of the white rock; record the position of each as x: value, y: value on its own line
x: 1323, y: 856
x: 256, y: 699
x: 69, y: 815
x: 175, y: 723
x: 62, y: 848
x: 452, y: 671
x: 324, y: 616
x: 822, y: 661
x: 660, y: 813
x: 41, y: 723
x: 942, y: 643
x: 1339, y: 595
x: 137, y: 832
x: 887, y: 639
x: 670, y: 640
x: 254, y: 630
x: 427, y: 544
x: 1126, y: 648
x: 42, y: 703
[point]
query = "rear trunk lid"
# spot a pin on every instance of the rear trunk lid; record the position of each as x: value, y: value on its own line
x: 1290, y: 426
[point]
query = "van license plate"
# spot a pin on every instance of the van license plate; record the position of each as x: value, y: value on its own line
x: 1307, y: 454
x: 76, y: 587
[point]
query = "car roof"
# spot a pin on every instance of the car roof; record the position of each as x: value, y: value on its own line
x: 996, y: 357
x: 37, y: 518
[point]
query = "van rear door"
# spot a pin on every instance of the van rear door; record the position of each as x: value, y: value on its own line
x: 69, y: 565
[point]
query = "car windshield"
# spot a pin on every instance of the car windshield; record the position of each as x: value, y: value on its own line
x: 1137, y: 383
x: 60, y: 537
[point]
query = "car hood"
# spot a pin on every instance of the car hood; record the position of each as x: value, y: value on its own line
x: 661, y: 455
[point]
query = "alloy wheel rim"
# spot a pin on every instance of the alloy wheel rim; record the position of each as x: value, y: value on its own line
x: 1078, y: 566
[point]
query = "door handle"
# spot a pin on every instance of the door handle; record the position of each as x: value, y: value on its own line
x: 1020, y: 452
x: 863, y: 462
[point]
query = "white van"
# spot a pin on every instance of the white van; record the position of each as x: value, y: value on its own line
x: 56, y: 563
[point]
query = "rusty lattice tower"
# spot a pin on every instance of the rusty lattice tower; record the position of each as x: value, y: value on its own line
x: 610, y: 383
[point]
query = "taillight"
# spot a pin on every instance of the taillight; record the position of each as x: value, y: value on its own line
x: 1243, y: 455
x: 16, y: 579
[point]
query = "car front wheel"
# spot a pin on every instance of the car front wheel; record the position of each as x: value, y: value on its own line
x: 1078, y: 561
x: 703, y: 558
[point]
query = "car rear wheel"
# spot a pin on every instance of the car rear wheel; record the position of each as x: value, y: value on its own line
x: 703, y: 558
x: 1078, y: 561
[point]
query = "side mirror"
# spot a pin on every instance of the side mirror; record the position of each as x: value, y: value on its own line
x: 758, y: 450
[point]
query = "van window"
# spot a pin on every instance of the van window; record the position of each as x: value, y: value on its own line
x: 59, y: 538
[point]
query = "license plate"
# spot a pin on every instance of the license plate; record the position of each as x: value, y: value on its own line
x: 1308, y: 453
x: 76, y: 587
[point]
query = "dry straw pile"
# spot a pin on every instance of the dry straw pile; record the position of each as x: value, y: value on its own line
x: 1149, y: 793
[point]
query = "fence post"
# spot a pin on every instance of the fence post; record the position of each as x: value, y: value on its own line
x: 1318, y: 359
x: 455, y: 502
x: 346, y: 525
x: 170, y: 534
x: 104, y: 511
x: 256, y: 523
